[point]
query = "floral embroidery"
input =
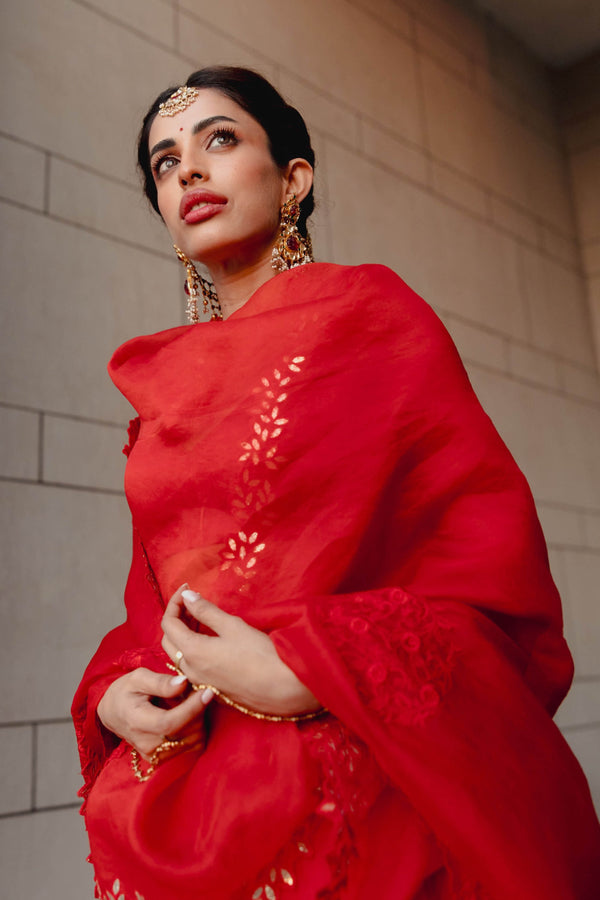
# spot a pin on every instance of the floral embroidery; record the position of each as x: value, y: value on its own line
x: 277, y: 878
x: 242, y: 554
x: 350, y: 782
x: 274, y: 880
x: 117, y: 893
x: 133, y: 430
x: 405, y: 654
x: 260, y: 454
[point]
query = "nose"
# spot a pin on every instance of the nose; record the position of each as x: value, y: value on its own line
x: 186, y: 176
x: 189, y: 169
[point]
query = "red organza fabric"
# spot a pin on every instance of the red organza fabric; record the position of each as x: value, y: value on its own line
x: 319, y: 465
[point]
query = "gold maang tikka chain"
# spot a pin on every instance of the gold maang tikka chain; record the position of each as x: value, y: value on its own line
x: 194, y: 286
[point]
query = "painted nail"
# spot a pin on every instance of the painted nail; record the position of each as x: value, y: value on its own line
x: 207, y: 695
x: 178, y: 679
x: 190, y: 596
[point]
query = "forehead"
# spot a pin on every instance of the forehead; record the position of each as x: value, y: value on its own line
x: 208, y: 104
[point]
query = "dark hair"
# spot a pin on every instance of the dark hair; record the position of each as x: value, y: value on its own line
x: 285, y: 128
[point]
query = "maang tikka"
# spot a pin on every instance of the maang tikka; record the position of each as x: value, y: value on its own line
x: 291, y: 249
x: 179, y: 100
x: 195, y: 285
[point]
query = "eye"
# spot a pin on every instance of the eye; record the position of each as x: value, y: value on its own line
x: 163, y: 164
x: 222, y: 137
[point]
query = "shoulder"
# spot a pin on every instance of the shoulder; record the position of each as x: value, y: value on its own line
x: 383, y: 302
x: 378, y: 289
x: 371, y: 315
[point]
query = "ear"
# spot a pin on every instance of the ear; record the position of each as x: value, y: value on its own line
x: 298, y: 179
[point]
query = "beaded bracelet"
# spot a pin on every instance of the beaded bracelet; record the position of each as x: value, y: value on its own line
x: 154, y: 760
x: 189, y: 743
x: 266, y: 717
x: 253, y: 713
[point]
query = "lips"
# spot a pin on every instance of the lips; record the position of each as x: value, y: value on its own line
x: 196, y: 206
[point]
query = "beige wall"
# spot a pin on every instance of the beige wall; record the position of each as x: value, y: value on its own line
x: 439, y: 154
x: 578, y: 96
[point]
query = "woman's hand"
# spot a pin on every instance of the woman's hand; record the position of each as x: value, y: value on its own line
x: 239, y: 660
x: 128, y: 709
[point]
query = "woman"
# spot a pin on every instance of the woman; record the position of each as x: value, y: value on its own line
x: 365, y: 634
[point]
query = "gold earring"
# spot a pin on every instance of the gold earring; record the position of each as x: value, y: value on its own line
x: 194, y: 285
x: 291, y: 249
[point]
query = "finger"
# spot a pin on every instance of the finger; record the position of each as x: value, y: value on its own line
x: 149, y: 719
x: 206, y: 612
x: 175, y: 604
x: 178, y: 638
x: 189, y: 737
x: 156, y: 684
x: 173, y: 720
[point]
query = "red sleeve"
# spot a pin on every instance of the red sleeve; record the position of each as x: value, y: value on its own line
x: 123, y: 649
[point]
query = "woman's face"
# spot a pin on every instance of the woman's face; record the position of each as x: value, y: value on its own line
x: 219, y: 189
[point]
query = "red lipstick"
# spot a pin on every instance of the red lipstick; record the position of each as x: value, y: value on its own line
x: 191, y: 212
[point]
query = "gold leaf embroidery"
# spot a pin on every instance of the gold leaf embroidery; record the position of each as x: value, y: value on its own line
x: 254, y: 493
x: 278, y: 878
x: 117, y: 893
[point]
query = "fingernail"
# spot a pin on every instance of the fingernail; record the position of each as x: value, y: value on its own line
x: 190, y: 596
x: 207, y: 695
x: 178, y: 679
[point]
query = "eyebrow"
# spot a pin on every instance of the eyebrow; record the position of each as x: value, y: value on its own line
x: 167, y: 143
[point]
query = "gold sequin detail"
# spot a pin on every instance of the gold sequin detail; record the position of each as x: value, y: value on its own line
x: 287, y: 878
x: 260, y: 452
x: 242, y: 554
x: 118, y: 893
x: 277, y: 878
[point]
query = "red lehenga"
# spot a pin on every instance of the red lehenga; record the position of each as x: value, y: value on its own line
x: 319, y: 465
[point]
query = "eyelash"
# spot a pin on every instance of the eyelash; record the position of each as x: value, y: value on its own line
x: 223, y: 132
x: 157, y: 163
x: 228, y: 133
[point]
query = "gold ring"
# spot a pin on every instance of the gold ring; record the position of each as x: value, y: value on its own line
x: 178, y: 661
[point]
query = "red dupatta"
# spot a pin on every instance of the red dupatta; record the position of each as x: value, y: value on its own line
x: 319, y: 465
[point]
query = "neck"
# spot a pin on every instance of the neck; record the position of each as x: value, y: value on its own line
x: 234, y: 286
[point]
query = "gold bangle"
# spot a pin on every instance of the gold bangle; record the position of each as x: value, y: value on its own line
x: 154, y: 760
x: 266, y: 717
